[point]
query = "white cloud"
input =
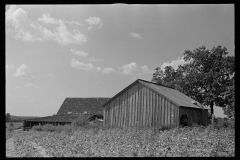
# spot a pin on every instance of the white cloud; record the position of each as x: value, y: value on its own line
x: 94, y: 60
x: 23, y: 71
x: 129, y: 68
x: 18, y: 18
x: 94, y: 21
x: 108, y: 70
x: 79, y: 53
x: 32, y: 85
x: 90, y: 28
x: 135, y: 35
x: 26, y: 30
x: 87, y: 67
x: 50, y: 20
x: 33, y: 99
x: 145, y: 70
x: 98, y: 68
x: 174, y: 63
x: 73, y: 22
x: 50, y: 75
x: 64, y: 37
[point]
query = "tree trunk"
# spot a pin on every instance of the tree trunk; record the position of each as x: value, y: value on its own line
x: 211, y: 107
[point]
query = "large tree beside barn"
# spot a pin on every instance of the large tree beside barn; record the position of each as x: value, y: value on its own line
x: 207, y: 77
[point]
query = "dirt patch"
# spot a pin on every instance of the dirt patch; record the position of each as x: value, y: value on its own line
x: 10, y: 150
x: 41, y: 150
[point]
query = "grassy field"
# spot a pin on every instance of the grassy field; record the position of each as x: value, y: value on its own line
x: 99, y: 142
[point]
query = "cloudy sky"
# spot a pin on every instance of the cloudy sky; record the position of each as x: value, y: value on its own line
x: 59, y: 51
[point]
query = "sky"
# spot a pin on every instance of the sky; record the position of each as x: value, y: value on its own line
x: 58, y: 51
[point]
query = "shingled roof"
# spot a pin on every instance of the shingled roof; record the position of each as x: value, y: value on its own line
x: 81, y: 105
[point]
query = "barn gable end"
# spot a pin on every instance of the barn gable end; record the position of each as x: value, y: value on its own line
x: 144, y: 104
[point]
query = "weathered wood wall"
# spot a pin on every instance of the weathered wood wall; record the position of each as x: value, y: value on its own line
x: 138, y: 106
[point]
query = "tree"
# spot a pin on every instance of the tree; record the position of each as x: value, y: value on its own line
x: 206, y: 77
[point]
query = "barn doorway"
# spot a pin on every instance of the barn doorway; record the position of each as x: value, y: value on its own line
x: 184, y: 120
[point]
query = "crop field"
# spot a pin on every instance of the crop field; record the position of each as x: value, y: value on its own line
x: 188, y: 141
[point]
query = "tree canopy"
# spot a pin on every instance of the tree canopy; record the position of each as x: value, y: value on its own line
x: 207, y: 77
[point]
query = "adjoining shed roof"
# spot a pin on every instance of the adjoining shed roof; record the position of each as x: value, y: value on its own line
x: 80, y: 105
x: 57, y: 118
x: 171, y: 94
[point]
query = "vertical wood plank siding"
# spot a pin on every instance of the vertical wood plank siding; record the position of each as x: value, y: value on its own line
x: 134, y: 106
x: 124, y: 110
x: 138, y: 106
x: 147, y: 108
x: 163, y: 112
x: 159, y: 111
x: 166, y: 113
x: 117, y: 103
x: 172, y: 116
x: 153, y: 109
x: 142, y: 108
x: 169, y: 114
x: 150, y: 108
x: 114, y: 112
x: 122, y: 106
x: 104, y: 116
x: 131, y: 107
x: 127, y: 109
x: 177, y: 116
x: 120, y: 111
x: 111, y: 114
x: 156, y: 110
x: 107, y: 114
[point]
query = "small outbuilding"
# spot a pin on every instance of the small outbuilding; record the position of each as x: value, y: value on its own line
x: 144, y: 104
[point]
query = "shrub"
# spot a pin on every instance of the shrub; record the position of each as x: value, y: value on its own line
x: 37, y: 128
x: 220, y: 123
x: 11, y: 127
x: 79, y: 122
x: 164, y: 128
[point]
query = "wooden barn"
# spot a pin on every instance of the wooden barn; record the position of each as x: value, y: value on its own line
x: 90, y: 109
x: 144, y: 104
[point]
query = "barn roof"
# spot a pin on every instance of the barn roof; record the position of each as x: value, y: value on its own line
x: 171, y: 94
x: 174, y: 95
x: 57, y: 118
x: 81, y: 105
